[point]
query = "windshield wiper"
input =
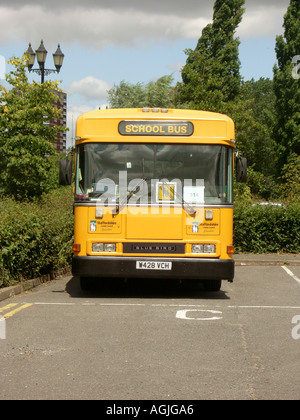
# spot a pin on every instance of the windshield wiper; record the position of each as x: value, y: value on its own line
x: 187, y: 207
x: 121, y: 205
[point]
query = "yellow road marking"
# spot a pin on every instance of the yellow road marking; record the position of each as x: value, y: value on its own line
x: 11, y: 305
x: 9, y: 314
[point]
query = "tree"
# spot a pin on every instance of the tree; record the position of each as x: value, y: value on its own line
x: 260, y: 100
x: 211, y: 76
x: 287, y: 87
x: 25, y: 134
x: 211, y: 81
x: 153, y: 94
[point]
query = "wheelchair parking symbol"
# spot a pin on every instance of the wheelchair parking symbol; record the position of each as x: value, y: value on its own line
x: 194, y: 314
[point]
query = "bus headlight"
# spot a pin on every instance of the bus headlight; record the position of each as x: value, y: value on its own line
x: 109, y: 247
x: 209, y: 249
x: 101, y: 247
x: 203, y: 249
x: 197, y: 249
x: 97, y: 247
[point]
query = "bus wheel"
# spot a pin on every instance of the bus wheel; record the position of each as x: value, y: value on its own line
x: 212, y: 285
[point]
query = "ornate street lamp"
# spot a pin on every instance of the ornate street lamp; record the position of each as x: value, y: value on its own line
x: 41, y: 54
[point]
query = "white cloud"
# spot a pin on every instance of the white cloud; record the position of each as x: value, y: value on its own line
x: 95, y: 28
x: 90, y: 88
x: 262, y: 21
x: 165, y: 7
x: 98, y: 24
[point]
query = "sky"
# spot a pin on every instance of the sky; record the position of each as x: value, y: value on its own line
x: 109, y: 41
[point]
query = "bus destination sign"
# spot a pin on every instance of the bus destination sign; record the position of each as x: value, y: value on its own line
x: 156, y: 128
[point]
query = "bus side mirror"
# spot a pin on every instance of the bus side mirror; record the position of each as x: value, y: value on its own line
x: 241, y: 169
x: 65, y: 172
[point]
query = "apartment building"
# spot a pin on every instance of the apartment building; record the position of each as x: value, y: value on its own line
x: 61, y: 103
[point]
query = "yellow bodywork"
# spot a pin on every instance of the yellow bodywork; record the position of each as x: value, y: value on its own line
x: 127, y: 227
x: 103, y: 126
x: 154, y: 223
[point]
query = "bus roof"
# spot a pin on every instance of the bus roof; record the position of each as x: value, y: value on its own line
x: 154, y: 113
x: 207, y: 125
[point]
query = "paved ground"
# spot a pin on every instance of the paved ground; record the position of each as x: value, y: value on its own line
x: 156, y: 340
x: 240, y: 260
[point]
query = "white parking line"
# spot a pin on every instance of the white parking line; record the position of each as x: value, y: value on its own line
x: 263, y: 307
x: 192, y: 307
x: 53, y: 303
x: 290, y: 273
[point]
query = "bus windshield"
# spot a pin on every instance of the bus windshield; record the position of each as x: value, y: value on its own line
x: 154, y: 173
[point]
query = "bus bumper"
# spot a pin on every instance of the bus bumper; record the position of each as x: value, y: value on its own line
x: 126, y: 267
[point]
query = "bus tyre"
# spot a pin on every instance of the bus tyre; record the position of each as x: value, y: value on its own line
x: 212, y: 285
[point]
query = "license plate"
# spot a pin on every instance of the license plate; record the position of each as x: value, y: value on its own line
x: 153, y: 265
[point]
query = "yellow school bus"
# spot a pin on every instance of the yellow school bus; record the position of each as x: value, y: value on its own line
x: 154, y: 195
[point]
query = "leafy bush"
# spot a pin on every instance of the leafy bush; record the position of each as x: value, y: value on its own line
x: 291, y: 178
x: 267, y: 229
x: 35, y: 237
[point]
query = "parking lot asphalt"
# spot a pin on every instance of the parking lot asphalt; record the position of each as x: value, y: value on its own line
x: 240, y: 260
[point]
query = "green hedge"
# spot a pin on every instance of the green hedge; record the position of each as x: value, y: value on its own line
x: 267, y: 228
x: 35, y: 238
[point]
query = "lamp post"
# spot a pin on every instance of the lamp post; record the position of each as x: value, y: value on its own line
x: 41, y: 54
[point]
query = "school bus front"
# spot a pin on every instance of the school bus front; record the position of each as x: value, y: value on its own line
x: 153, y: 195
